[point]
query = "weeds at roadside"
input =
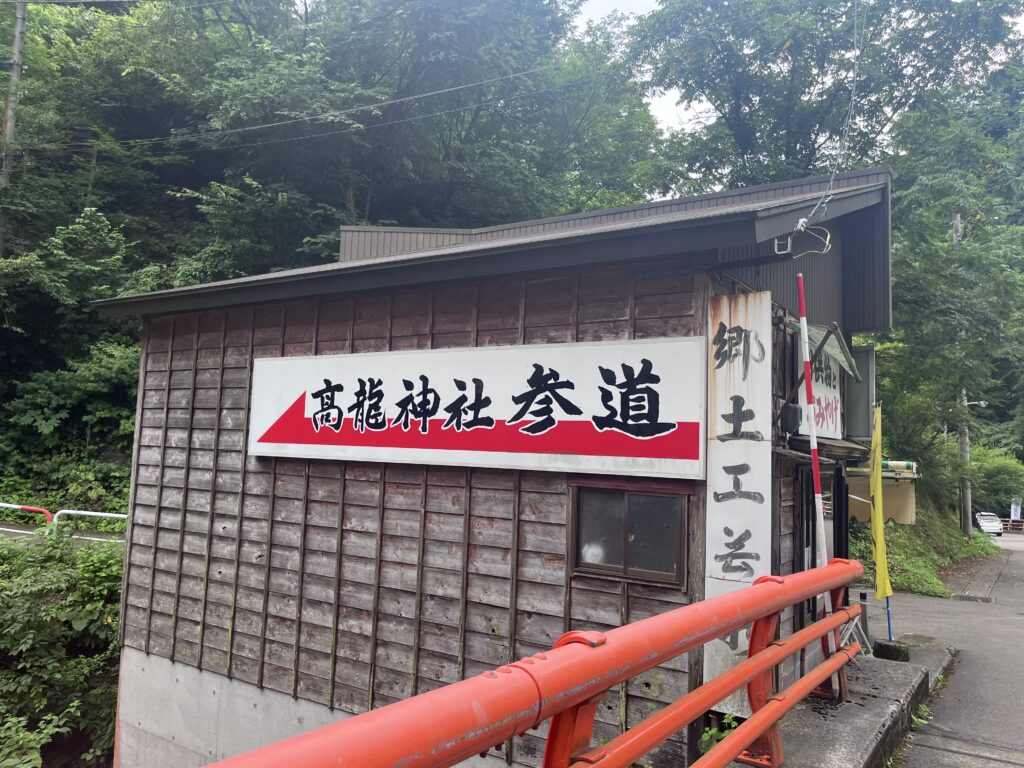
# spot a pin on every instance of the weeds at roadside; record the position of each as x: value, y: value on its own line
x: 712, y: 736
x: 896, y: 760
x: 921, y: 718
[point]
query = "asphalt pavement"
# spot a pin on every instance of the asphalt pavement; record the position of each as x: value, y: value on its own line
x: 978, y: 715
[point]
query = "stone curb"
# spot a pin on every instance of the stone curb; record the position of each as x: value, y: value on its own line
x: 866, y: 730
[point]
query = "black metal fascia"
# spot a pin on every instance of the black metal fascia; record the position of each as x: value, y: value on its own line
x: 780, y: 221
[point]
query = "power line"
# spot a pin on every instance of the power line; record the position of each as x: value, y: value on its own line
x: 822, y: 204
x: 354, y: 129
x: 410, y: 119
x: 311, y: 118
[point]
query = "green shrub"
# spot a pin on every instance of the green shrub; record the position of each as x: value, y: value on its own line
x: 65, y: 436
x: 917, y: 553
x: 58, y: 651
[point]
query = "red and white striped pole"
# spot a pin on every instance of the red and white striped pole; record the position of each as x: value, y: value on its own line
x: 812, y: 427
x: 812, y: 435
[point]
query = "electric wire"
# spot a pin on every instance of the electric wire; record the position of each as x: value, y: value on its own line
x: 312, y: 118
x: 353, y: 129
x: 822, y: 204
x: 411, y: 118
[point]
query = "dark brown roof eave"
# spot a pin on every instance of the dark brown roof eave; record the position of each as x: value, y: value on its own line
x: 585, y: 248
x: 693, y: 232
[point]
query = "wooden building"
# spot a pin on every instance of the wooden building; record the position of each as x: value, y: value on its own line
x: 268, y: 594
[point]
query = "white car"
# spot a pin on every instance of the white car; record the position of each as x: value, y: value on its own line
x: 989, y: 523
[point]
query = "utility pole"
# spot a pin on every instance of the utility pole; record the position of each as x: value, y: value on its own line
x: 966, y: 510
x: 17, y: 58
x: 965, y: 483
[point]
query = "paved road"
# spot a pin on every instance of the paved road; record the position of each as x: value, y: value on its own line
x: 979, y: 715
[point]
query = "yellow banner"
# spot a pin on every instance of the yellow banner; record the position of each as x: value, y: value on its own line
x: 883, y: 588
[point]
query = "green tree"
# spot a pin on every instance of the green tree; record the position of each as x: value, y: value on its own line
x: 957, y: 305
x: 773, y: 77
x: 45, y: 294
x: 996, y: 479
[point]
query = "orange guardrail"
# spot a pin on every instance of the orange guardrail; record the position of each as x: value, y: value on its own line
x: 451, y: 724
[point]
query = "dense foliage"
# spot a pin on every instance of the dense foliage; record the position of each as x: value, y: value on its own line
x: 959, y: 305
x: 770, y: 80
x: 58, y: 652
x: 168, y: 143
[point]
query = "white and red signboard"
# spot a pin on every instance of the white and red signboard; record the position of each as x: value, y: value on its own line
x: 631, y: 408
x: 739, y: 482
x: 828, y: 404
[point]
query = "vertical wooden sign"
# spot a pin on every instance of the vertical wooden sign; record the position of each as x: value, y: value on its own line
x: 739, y: 463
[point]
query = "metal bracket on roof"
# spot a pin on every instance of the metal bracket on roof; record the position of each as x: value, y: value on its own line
x: 784, y: 251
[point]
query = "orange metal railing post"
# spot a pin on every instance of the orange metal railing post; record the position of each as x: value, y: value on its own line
x: 721, y: 755
x: 838, y: 597
x: 766, y: 751
x: 645, y: 736
x: 572, y: 729
x: 570, y: 733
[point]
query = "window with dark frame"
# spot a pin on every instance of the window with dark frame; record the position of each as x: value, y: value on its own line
x: 635, y: 534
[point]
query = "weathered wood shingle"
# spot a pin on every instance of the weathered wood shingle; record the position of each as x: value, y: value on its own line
x: 355, y: 585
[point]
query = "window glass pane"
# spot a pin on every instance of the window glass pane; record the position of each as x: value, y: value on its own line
x: 653, y: 533
x: 600, y: 527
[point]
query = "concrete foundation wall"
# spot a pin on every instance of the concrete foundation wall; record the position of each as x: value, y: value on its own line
x: 176, y: 716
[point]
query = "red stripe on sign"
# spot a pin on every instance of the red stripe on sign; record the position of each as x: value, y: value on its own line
x: 578, y: 438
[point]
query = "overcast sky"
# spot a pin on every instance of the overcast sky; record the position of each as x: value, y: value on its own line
x: 595, y: 9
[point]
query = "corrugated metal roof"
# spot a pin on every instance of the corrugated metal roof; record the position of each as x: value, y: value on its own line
x: 358, y: 242
x: 717, y: 221
x: 369, y: 242
x: 525, y: 236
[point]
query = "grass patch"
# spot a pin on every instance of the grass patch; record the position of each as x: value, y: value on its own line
x: 917, y: 553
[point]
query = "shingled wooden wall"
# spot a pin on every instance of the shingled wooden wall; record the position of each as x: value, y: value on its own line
x: 443, y: 572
